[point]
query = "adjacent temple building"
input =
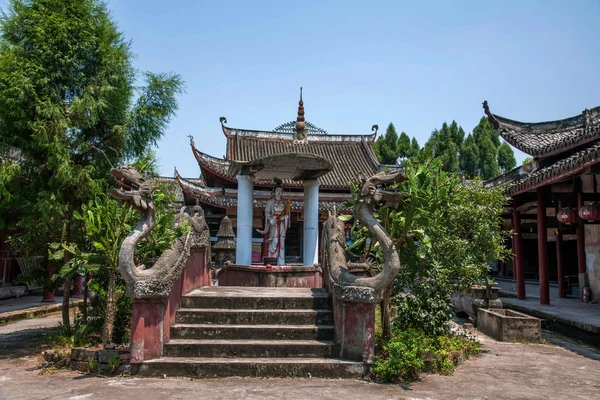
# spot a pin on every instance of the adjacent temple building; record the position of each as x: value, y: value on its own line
x: 296, y: 152
x: 555, y: 206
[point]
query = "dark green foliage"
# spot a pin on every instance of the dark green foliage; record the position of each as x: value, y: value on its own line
x: 454, y: 236
x: 414, y: 148
x: 487, y: 141
x: 478, y: 155
x: 404, y: 149
x: 506, y: 158
x: 105, y: 224
x: 409, y: 352
x: 469, y: 157
x: 386, y: 146
x: 391, y: 148
x: 444, y: 144
x: 67, y: 101
x: 488, y: 162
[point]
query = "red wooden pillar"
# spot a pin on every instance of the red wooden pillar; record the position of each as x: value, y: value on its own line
x: 580, y: 240
x: 542, y: 248
x: 559, y: 265
x: 519, y: 262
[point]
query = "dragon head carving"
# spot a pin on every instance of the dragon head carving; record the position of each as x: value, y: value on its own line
x: 375, y: 197
x: 132, y: 189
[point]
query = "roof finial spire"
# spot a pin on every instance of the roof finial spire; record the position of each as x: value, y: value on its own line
x: 300, y: 124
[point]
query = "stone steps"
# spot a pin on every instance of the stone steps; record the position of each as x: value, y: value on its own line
x: 254, y: 317
x: 252, y: 298
x: 256, y: 332
x: 251, y: 367
x: 252, y: 332
x: 248, y: 348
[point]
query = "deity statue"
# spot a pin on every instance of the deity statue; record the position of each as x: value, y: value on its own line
x: 277, y: 222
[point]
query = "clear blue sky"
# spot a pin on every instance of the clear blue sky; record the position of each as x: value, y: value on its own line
x: 416, y: 64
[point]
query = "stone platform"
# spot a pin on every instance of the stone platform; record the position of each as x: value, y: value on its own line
x: 293, y: 276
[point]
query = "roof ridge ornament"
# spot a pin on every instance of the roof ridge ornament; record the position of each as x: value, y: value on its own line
x: 491, y: 118
x: 300, y: 121
x: 192, y: 141
x: 374, y: 129
x: 223, y: 120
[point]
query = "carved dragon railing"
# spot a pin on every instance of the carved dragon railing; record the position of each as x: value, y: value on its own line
x: 355, y: 297
x: 345, y: 285
x: 158, y: 280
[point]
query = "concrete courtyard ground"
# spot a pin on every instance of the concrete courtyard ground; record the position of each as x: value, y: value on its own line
x: 557, y: 370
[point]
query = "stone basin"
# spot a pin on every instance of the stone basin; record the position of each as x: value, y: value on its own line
x: 508, y: 325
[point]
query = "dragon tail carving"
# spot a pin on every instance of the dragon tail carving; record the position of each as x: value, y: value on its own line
x: 345, y: 285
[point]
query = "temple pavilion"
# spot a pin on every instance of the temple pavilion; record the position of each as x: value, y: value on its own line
x: 554, y: 210
x: 315, y: 168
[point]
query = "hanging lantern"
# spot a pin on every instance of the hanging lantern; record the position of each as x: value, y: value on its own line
x: 591, y: 212
x: 567, y: 215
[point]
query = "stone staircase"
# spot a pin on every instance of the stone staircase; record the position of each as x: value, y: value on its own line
x: 223, y: 331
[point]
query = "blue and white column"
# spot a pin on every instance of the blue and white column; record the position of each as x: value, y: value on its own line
x: 311, y: 222
x: 245, y: 211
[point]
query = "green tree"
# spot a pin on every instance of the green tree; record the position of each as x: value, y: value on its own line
x: 488, y: 142
x: 386, y: 146
x: 506, y: 158
x: 403, y: 146
x: 455, y: 235
x: 488, y: 163
x: 414, y: 148
x: 444, y: 145
x: 469, y: 157
x: 67, y: 101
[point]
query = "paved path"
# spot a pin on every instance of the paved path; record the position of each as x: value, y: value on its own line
x: 21, y: 338
x: 503, y: 371
x: 24, y: 302
x: 28, y: 306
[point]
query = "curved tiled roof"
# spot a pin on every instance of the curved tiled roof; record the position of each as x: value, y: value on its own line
x: 560, y: 169
x: 543, y: 139
x: 348, y: 154
x: 216, y: 166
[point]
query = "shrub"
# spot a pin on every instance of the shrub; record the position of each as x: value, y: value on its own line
x: 411, y: 351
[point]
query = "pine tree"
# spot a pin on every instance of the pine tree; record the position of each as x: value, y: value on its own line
x: 403, y: 146
x: 506, y: 158
x: 488, y: 163
x: 479, y: 154
x: 386, y: 146
x: 487, y: 142
x: 414, y: 148
x: 469, y: 157
x: 444, y: 144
